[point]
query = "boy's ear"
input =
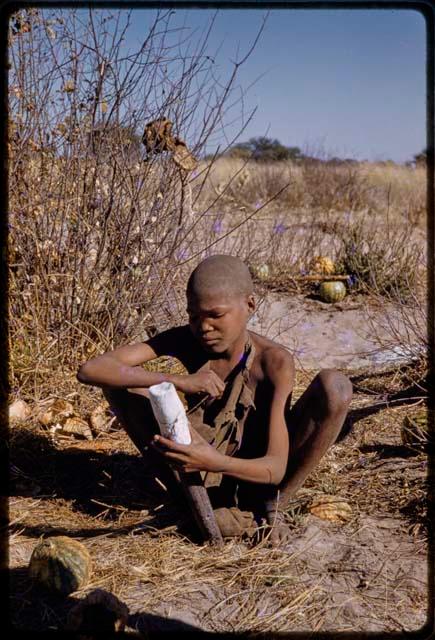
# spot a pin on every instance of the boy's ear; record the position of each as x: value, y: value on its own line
x: 251, y: 303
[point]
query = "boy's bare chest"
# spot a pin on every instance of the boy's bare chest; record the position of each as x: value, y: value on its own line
x: 224, y: 370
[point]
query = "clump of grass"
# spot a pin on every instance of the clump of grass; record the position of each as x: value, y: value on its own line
x: 384, y: 260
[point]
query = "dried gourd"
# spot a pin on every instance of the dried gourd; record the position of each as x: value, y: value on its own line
x: 322, y: 265
x: 260, y: 271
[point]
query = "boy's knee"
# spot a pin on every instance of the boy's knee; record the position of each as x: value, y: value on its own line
x: 336, y: 390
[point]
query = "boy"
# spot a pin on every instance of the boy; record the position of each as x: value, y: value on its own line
x: 253, y: 450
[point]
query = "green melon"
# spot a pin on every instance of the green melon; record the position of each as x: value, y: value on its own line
x: 332, y: 291
x: 260, y: 271
x: 61, y: 564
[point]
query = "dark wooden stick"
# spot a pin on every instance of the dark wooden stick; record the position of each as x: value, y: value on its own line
x: 200, y: 505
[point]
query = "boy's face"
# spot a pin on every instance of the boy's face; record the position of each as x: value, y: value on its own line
x: 218, y: 319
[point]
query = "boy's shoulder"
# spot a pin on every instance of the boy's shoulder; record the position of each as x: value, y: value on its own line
x: 170, y: 339
x: 273, y: 359
x: 177, y: 342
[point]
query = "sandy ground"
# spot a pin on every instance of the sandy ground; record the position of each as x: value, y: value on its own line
x: 341, y: 335
x: 372, y: 576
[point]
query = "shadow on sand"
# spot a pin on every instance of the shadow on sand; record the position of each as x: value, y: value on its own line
x: 94, y: 482
x: 33, y: 609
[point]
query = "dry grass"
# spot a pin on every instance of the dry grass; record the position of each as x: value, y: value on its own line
x: 146, y: 552
x: 375, y: 188
x: 92, y: 286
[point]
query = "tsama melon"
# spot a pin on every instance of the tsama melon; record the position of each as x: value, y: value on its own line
x: 60, y: 564
x: 332, y: 291
x: 260, y: 271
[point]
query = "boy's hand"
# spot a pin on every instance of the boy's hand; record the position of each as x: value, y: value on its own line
x: 199, y: 455
x: 200, y: 382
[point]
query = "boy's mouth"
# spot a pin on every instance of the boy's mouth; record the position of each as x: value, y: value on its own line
x: 209, y: 340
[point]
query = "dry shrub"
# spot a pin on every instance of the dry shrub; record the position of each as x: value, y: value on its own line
x: 101, y: 241
x: 335, y: 186
x: 380, y: 257
x: 245, y: 183
x: 320, y: 186
x: 99, y: 234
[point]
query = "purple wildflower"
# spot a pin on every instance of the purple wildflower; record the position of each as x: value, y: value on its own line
x: 182, y: 254
x: 351, y: 280
x: 307, y: 325
x: 258, y: 204
x: 279, y: 228
x: 217, y: 226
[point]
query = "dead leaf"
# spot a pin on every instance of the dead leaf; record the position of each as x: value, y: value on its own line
x: 57, y: 412
x: 331, y: 508
x: 69, y: 86
x: 158, y: 137
x: 76, y: 427
x: 183, y: 158
x: 100, y: 419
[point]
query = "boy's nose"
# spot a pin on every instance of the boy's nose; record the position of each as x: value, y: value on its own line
x: 205, y: 326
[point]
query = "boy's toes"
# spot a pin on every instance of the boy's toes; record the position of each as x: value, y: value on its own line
x: 279, y: 535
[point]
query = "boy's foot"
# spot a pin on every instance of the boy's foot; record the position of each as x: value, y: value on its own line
x: 280, y: 533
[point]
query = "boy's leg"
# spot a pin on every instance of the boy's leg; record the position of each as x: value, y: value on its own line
x: 134, y: 412
x: 313, y: 424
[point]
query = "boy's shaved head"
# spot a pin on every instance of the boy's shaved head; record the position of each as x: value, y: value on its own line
x: 220, y: 273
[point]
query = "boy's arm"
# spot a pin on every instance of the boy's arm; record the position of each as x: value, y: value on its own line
x: 120, y: 367
x: 270, y: 468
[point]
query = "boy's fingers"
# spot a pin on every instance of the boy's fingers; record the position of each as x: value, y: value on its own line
x: 174, y: 456
x: 165, y: 442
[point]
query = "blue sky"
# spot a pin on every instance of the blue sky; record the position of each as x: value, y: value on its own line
x: 348, y: 82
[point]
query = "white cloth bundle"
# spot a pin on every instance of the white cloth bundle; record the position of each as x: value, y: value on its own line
x: 169, y: 412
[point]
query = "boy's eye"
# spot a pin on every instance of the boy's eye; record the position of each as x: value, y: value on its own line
x: 193, y: 316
